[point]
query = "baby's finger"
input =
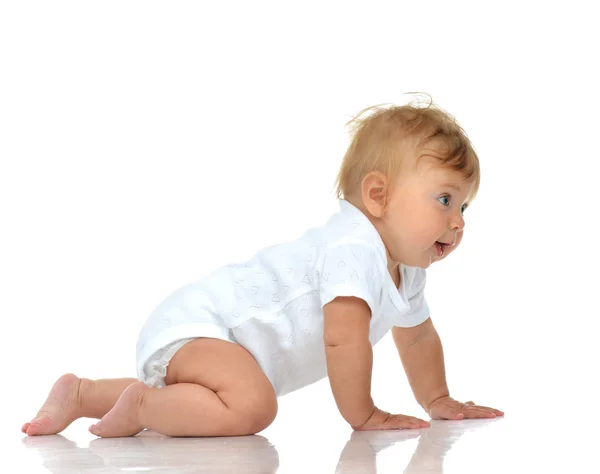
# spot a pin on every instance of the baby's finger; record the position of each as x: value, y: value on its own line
x: 404, y: 422
x: 477, y: 412
x: 420, y: 422
x: 446, y: 412
x: 493, y: 410
x: 489, y: 409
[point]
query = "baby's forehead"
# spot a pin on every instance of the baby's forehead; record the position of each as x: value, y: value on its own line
x: 433, y: 167
x: 438, y: 174
x: 444, y: 172
x: 429, y: 161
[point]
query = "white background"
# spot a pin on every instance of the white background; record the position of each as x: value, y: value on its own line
x: 143, y: 144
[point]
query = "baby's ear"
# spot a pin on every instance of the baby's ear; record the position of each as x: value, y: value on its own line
x: 375, y: 189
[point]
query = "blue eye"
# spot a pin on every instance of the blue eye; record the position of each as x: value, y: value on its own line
x: 448, y: 199
x: 445, y: 197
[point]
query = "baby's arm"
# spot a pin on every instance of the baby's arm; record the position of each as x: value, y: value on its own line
x: 422, y: 356
x: 349, y: 364
x: 349, y: 357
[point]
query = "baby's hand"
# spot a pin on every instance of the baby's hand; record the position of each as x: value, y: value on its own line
x: 382, y: 420
x: 446, y: 408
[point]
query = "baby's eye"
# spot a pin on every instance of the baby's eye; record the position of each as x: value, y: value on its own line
x: 447, y: 198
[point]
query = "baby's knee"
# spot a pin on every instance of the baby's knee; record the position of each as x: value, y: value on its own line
x: 265, y: 416
x: 255, y: 415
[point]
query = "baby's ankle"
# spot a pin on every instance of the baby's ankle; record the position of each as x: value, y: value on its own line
x: 84, y: 390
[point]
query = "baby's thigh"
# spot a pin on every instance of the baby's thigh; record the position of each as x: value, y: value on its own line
x: 227, y: 369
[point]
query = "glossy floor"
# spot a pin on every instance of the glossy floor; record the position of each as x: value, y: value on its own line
x: 509, y: 444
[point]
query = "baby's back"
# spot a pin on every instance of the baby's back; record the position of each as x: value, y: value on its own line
x: 273, y: 303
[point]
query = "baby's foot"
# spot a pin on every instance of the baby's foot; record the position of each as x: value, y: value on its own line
x: 123, y: 418
x: 59, y: 410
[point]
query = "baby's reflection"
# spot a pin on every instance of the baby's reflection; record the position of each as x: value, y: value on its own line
x: 360, y: 452
x: 159, y: 454
x: 245, y: 454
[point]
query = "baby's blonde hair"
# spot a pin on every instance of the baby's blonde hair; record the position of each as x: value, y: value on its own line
x: 380, y: 142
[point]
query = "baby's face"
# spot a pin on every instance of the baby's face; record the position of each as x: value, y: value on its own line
x: 426, y: 207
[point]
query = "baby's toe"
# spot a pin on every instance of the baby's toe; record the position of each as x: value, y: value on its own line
x: 95, y: 430
x: 39, y: 426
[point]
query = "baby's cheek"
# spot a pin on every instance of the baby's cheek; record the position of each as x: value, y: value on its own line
x: 459, y: 237
x: 449, y: 250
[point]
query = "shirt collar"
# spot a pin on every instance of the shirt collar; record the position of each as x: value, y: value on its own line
x: 361, y: 226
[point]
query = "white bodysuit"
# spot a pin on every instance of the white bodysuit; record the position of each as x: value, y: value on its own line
x: 273, y: 304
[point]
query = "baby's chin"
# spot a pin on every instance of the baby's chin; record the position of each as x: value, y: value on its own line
x: 423, y: 263
x: 432, y: 260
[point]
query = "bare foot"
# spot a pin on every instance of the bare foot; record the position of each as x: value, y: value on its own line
x: 123, y: 418
x: 59, y: 410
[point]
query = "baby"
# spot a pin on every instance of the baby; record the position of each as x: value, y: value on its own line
x: 213, y: 357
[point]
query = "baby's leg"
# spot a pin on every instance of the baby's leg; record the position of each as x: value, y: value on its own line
x: 72, y: 398
x: 214, y: 388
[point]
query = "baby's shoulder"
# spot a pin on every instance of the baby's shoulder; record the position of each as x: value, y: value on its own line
x: 353, y: 262
x: 358, y: 250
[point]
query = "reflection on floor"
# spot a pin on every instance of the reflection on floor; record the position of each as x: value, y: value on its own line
x: 467, y: 446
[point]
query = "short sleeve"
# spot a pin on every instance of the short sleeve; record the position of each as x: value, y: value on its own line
x: 351, y: 269
x: 419, y: 310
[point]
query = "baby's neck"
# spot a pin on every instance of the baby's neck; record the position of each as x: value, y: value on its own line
x: 395, y: 274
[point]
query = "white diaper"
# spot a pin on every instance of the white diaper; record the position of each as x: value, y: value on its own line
x: 186, y: 314
x: 168, y: 328
x: 155, y: 368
